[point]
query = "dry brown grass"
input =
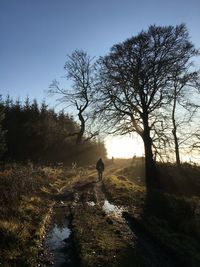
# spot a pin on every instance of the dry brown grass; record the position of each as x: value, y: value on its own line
x: 25, y: 206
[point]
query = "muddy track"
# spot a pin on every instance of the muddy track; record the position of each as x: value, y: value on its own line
x: 92, y: 193
x: 152, y: 253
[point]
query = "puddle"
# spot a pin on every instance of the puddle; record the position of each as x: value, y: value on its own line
x: 59, y: 240
x: 111, y: 209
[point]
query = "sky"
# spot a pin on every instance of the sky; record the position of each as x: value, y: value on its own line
x: 37, y: 35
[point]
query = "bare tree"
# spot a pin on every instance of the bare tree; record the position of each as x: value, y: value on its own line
x: 160, y: 136
x: 184, y: 93
x: 196, y: 141
x: 80, y: 70
x: 178, y: 123
x: 133, y: 83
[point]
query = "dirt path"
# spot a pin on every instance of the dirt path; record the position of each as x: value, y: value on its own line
x: 90, y: 192
x: 152, y: 255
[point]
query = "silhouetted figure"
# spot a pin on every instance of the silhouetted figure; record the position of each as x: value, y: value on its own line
x: 100, y: 168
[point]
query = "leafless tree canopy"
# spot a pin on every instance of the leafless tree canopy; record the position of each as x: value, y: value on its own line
x: 80, y: 71
x: 144, y: 85
x: 134, y: 81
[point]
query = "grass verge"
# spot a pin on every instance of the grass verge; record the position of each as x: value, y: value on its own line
x: 26, y: 203
x: 172, y: 221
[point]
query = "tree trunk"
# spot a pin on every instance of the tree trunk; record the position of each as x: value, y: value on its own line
x: 178, y: 161
x: 82, y: 129
x: 151, y: 174
x: 174, y: 132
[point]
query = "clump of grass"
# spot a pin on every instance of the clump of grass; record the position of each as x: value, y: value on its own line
x: 124, y: 192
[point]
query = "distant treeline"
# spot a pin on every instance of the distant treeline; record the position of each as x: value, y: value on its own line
x: 35, y: 133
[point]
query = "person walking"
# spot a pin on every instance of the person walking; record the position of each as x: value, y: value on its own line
x: 100, y: 168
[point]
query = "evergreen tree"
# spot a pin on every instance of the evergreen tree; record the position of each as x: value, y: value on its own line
x: 35, y: 132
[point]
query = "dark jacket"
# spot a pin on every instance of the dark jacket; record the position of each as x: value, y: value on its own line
x: 100, y: 165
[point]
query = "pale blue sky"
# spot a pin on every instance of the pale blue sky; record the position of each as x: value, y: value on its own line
x: 36, y: 35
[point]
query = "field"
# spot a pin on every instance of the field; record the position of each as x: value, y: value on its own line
x: 114, y: 222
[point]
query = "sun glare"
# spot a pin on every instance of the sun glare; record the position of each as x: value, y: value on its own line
x: 123, y: 147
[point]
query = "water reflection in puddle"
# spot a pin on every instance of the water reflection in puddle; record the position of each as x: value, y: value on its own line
x: 108, y: 208
x: 59, y: 241
x: 113, y: 210
x: 58, y: 237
